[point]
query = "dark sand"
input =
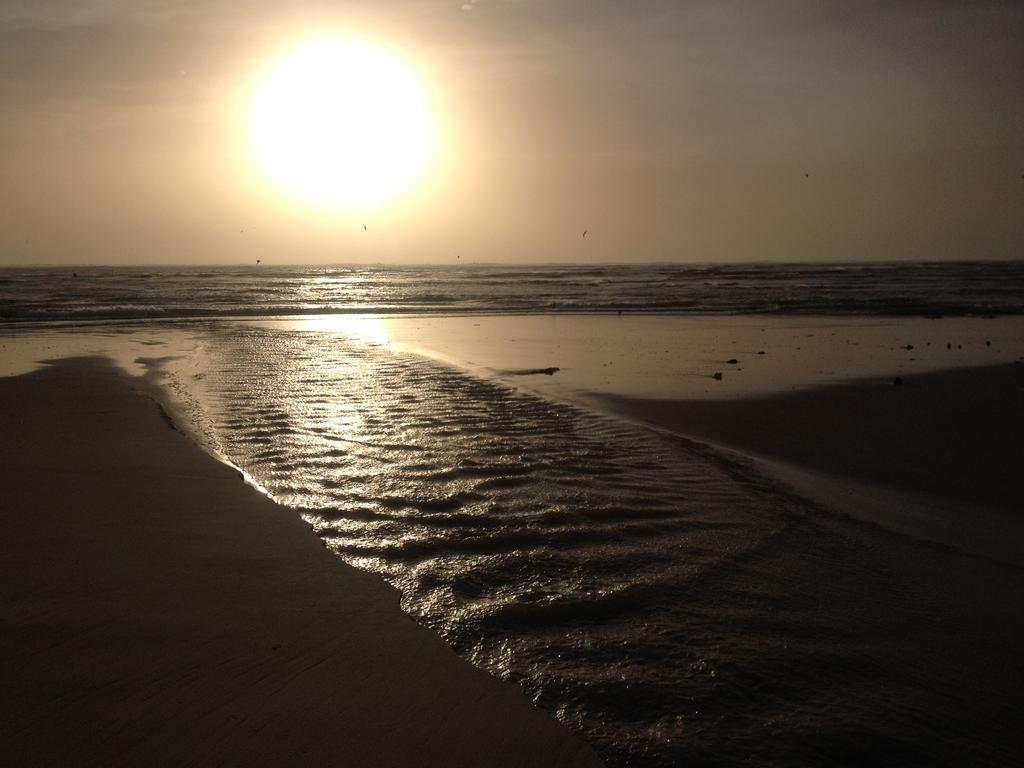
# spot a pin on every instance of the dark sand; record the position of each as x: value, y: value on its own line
x: 158, y: 611
x: 955, y: 433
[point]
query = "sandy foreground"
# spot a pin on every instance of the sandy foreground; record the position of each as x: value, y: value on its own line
x: 148, y: 621
x: 951, y: 433
x: 937, y: 457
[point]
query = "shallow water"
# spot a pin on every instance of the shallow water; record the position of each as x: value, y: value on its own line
x: 674, y: 605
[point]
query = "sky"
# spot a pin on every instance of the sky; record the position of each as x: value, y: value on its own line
x: 703, y: 131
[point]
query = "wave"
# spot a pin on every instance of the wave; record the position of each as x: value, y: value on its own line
x: 928, y: 290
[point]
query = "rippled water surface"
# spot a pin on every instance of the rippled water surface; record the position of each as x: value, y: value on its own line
x: 668, y: 601
x: 914, y: 289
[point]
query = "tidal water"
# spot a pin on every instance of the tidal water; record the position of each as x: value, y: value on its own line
x: 670, y: 602
x: 895, y: 289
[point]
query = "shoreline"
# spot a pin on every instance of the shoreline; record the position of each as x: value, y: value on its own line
x: 158, y: 611
x: 788, y: 403
x: 950, y: 433
x: 934, y: 458
x: 645, y: 356
x: 927, y: 565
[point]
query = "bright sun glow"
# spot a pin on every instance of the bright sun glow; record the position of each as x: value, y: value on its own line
x: 343, y: 124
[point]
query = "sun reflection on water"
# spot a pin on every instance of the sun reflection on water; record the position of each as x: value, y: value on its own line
x: 361, y: 328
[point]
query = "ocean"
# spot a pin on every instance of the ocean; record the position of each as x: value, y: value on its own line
x: 672, y: 602
x: 915, y: 289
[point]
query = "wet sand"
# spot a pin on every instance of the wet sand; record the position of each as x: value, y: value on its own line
x: 954, y: 433
x: 149, y: 621
x: 677, y: 357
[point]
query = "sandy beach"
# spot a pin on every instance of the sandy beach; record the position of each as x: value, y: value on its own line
x: 656, y: 590
x: 159, y: 611
x: 952, y: 433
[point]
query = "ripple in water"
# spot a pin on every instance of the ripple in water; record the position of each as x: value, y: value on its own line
x: 669, y: 603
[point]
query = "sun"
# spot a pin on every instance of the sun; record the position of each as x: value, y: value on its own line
x: 342, y: 124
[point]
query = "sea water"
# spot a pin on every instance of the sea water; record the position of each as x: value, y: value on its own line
x: 922, y: 289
